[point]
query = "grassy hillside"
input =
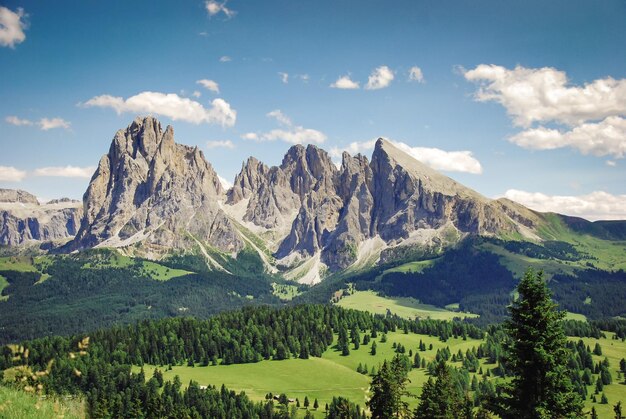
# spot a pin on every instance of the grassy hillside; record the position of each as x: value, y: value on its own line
x: 334, y: 374
x: 406, y: 307
x: 21, y: 405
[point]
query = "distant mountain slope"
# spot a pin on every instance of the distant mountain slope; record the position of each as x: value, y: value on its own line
x: 24, y: 220
x: 306, y: 218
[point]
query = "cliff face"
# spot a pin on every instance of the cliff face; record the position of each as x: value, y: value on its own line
x: 23, y: 219
x: 335, y: 211
x: 149, y: 189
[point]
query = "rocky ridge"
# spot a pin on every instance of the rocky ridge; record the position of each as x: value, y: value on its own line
x: 151, y: 196
x: 24, y: 220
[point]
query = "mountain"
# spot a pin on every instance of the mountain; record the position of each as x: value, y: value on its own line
x: 363, y: 210
x: 306, y: 218
x: 154, y: 194
x: 24, y: 220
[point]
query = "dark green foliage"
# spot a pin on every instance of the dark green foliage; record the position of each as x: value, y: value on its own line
x: 76, y: 300
x: 342, y: 408
x: 607, y: 291
x: 537, y: 358
x: 388, y: 389
x: 441, y: 398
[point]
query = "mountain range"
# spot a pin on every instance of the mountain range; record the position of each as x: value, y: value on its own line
x: 307, y: 217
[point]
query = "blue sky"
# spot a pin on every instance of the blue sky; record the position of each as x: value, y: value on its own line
x: 523, y: 99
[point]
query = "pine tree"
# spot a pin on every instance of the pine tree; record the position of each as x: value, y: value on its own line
x: 388, y: 389
x: 537, y: 357
x: 618, y: 410
x: 440, y: 397
x: 594, y: 414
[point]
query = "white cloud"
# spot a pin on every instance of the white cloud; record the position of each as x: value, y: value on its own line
x: 196, y: 94
x: 209, y: 85
x: 611, y: 163
x: 66, y: 171
x: 14, y: 120
x: 545, y: 94
x: 304, y: 77
x: 353, y: 148
x: 225, y: 183
x: 450, y: 161
x: 51, y: 123
x: 170, y: 105
x: 279, y: 116
x: 607, y: 137
x: 251, y: 136
x: 225, y: 59
x: 11, y: 27
x: 213, y: 7
x: 415, y: 74
x: 344, y: 82
x: 380, y: 78
x: 284, y: 77
x: 11, y: 174
x: 293, y: 134
x: 220, y: 144
x: 597, y: 205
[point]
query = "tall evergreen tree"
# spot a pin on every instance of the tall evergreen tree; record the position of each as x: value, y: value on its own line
x: 536, y: 358
x: 389, y: 390
x: 440, y: 397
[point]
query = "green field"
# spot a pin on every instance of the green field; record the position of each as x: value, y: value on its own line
x: 408, y: 308
x: 17, y: 263
x: 413, y: 267
x: 148, y: 268
x: 614, y: 350
x: 285, y: 292
x: 334, y: 374
x: 3, y: 284
x: 21, y: 405
x: 321, y: 378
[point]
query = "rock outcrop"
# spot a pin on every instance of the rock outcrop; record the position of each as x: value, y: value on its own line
x: 151, y: 190
x: 394, y: 198
x: 308, y: 212
x: 23, y: 220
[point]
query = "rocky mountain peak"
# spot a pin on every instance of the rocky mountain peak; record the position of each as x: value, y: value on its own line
x: 151, y: 190
x: 17, y: 196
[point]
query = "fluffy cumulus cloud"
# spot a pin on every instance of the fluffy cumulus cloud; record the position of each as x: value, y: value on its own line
x: 345, y: 82
x: 291, y: 133
x: 451, y: 161
x: 214, y: 7
x: 11, y: 27
x: 66, y: 171
x: 597, y: 205
x: 605, y: 138
x: 220, y: 144
x: 284, y: 77
x: 11, y: 174
x: 545, y: 94
x: 170, y: 105
x: 380, y: 78
x: 18, y: 122
x: 415, y: 74
x: 225, y: 59
x: 53, y: 123
x: 587, y: 117
x: 209, y: 85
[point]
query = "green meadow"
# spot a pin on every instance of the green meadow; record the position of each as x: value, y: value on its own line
x: 336, y: 375
x: 19, y: 404
x: 408, y: 308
